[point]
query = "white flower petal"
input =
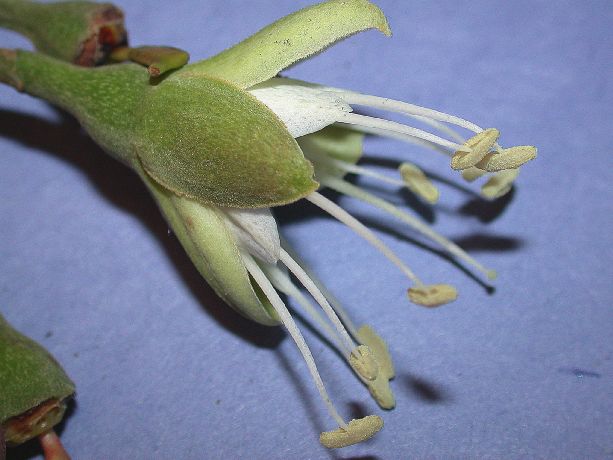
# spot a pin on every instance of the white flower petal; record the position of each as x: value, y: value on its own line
x: 257, y: 232
x: 304, y: 109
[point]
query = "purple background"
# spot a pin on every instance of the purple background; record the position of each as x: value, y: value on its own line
x: 165, y: 370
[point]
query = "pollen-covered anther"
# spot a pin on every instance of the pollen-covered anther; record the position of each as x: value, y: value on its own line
x: 358, y: 430
x: 499, y: 184
x: 418, y: 183
x: 382, y: 393
x: 378, y: 348
x: 510, y: 158
x: 432, y: 295
x: 480, y: 144
x: 363, y: 362
x: 472, y: 174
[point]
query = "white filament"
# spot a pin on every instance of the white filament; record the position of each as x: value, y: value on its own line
x: 282, y: 282
x: 405, y: 108
x: 270, y: 292
x: 286, y: 259
x: 393, y: 127
x: 346, y: 188
x: 355, y: 225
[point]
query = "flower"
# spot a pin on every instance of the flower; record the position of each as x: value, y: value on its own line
x: 329, y: 134
x: 221, y: 141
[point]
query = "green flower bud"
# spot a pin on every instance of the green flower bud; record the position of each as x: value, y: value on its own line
x: 75, y: 31
x: 33, y: 387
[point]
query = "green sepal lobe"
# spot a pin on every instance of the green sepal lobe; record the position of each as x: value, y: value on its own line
x: 289, y: 40
x: 202, y: 231
x: 210, y: 141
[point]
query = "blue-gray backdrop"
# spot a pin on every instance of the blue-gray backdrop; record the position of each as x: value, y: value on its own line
x: 165, y: 370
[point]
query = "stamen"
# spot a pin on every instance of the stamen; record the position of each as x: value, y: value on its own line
x: 433, y: 295
x: 405, y: 108
x: 441, y: 127
x: 282, y: 282
x: 418, y: 183
x: 378, y: 347
x: 480, y: 144
x: 382, y: 393
x: 401, y: 137
x: 348, y: 189
x: 354, y: 224
x: 363, y: 361
x: 472, y: 174
x: 379, y: 387
x: 510, y: 158
x: 332, y: 300
x: 358, y: 358
x: 392, y: 126
x: 358, y: 430
x: 351, y: 168
x: 499, y: 184
x: 270, y: 292
x: 307, y: 282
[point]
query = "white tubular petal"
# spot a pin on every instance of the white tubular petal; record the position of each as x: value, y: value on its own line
x: 256, y: 230
x: 303, y: 109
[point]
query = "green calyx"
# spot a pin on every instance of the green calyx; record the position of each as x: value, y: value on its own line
x: 212, y: 248
x: 33, y: 386
x: 196, y: 131
x: 199, y: 137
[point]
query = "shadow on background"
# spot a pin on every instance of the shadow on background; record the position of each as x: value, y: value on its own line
x: 121, y: 187
x: 425, y: 390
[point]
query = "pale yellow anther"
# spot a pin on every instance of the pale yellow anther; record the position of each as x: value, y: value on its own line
x: 364, y: 363
x: 480, y: 144
x: 472, y: 174
x: 510, y: 158
x: 358, y: 430
x: 382, y: 393
x: 432, y: 295
x: 499, y: 184
x: 378, y: 348
x: 418, y: 183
